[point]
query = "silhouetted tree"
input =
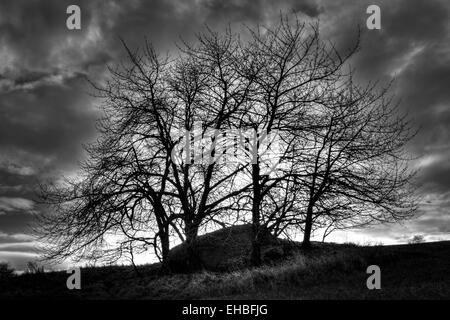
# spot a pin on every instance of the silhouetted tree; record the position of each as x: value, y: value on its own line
x: 122, y: 195
x: 292, y: 68
x: 140, y: 181
x: 354, y: 169
x: 319, y: 150
x: 207, y: 91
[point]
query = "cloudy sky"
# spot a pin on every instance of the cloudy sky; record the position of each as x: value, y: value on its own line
x: 46, y: 112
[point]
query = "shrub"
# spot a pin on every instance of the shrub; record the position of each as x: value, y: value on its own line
x: 417, y: 239
x: 5, y: 271
x: 34, y: 268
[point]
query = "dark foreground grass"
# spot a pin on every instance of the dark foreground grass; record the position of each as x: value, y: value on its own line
x: 416, y: 271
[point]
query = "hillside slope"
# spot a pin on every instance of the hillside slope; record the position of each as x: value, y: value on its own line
x: 332, y: 271
x: 229, y: 249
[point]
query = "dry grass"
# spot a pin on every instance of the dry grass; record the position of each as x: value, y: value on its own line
x: 327, y: 272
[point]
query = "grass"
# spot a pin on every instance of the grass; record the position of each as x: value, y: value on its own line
x: 414, y: 271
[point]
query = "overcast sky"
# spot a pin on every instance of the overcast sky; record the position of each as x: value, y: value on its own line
x: 46, y: 113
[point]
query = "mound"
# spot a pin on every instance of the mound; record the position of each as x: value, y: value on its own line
x: 229, y: 249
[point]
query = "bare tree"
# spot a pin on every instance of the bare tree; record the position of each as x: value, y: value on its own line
x: 289, y: 63
x: 208, y: 92
x: 140, y: 177
x: 122, y: 193
x: 339, y: 160
x: 354, y: 168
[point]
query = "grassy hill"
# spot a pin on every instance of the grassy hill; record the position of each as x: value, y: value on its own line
x: 327, y: 271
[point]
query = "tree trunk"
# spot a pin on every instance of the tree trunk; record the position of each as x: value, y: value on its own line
x: 256, y: 244
x: 165, y: 248
x: 308, y: 227
x: 163, y: 231
x: 194, y: 262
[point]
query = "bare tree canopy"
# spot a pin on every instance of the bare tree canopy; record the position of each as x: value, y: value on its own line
x: 319, y: 150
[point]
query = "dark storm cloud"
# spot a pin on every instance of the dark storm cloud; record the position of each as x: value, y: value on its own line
x: 44, y: 110
x: 26, y: 247
x: 255, y: 11
x: 46, y: 114
x: 434, y: 176
x: 16, y: 222
x: 413, y: 46
x: 405, y: 25
x: 34, y: 31
x: 47, y: 118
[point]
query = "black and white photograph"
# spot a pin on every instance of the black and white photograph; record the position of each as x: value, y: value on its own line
x: 207, y: 150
